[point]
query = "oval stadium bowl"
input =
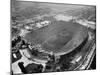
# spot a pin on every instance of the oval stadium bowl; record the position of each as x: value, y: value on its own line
x: 59, y: 37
